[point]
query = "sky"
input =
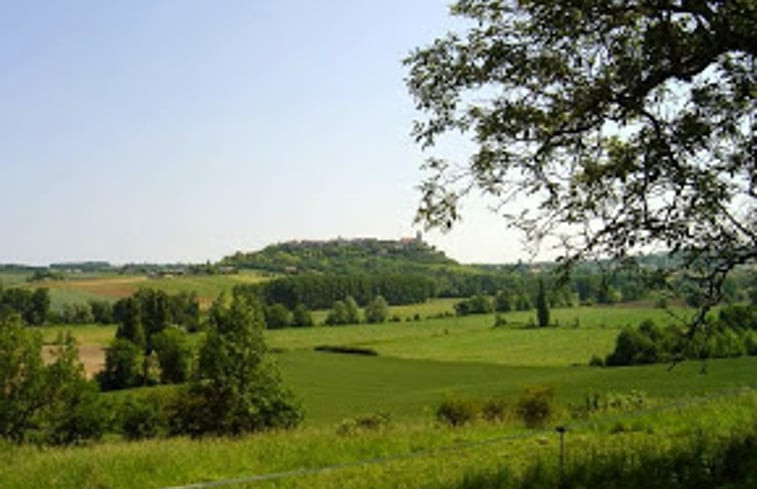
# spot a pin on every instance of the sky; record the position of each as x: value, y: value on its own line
x: 183, y: 131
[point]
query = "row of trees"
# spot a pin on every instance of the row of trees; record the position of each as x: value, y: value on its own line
x: 732, y: 333
x: 320, y: 291
x: 32, y: 306
x: 504, y: 301
x: 151, y: 342
x: 347, y: 311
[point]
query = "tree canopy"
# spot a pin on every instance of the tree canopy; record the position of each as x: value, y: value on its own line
x: 629, y: 124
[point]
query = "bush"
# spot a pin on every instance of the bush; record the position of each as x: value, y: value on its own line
x: 140, y: 419
x: 537, y: 406
x: 369, y: 422
x: 301, y: 316
x: 494, y: 410
x: 596, y: 361
x: 277, y: 316
x: 456, y: 412
x: 478, y: 304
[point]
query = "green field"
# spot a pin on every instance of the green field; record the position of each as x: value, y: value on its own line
x: 421, y: 455
x: 114, y: 286
x: 336, y: 386
x: 419, y: 364
x: 13, y: 278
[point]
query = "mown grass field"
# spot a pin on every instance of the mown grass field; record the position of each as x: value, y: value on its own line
x: 450, y: 339
x: 335, y: 386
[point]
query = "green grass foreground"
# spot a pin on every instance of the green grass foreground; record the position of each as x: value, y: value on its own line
x: 425, y: 459
x: 335, y: 386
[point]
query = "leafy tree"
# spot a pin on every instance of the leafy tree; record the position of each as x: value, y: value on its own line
x: 523, y: 302
x: 22, y: 378
x: 154, y: 311
x: 51, y: 403
x: 542, y: 307
x: 338, y: 314
x: 32, y: 306
x: 39, y: 307
x: 237, y: 389
x: 124, y: 366
x: 503, y: 301
x: 174, y: 355
x: 353, y: 311
x: 102, y: 311
x: 277, y: 316
x: 377, y: 310
x: 130, y: 318
x: 74, y: 411
x: 301, y: 316
x: 77, y: 313
x: 630, y: 123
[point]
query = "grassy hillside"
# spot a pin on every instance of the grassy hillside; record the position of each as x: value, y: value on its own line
x: 333, y: 386
x: 341, y: 256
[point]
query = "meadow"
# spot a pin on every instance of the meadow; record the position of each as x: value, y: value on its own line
x: 460, y: 339
x: 418, y: 364
x: 116, y: 286
x: 399, y: 455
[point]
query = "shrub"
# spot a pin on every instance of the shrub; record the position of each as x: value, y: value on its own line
x: 457, y: 412
x: 596, y: 361
x: 536, y: 406
x: 301, y: 316
x: 369, y: 422
x: 478, y: 304
x: 140, y: 419
x: 494, y: 410
x: 277, y: 316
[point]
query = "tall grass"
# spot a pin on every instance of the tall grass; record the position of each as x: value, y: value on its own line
x: 428, y: 455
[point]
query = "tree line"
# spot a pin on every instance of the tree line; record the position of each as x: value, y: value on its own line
x: 229, y: 386
x: 732, y: 332
x: 316, y: 291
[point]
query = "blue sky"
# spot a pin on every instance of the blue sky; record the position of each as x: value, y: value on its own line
x: 186, y: 130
